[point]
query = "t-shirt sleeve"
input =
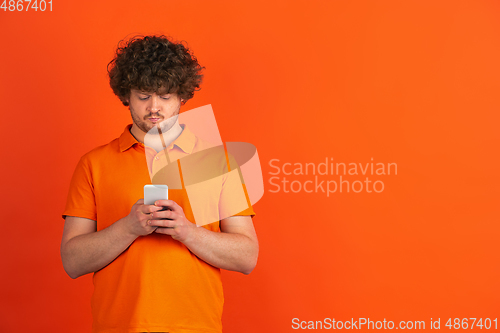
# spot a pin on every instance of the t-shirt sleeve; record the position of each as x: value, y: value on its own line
x: 81, y: 196
x: 248, y: 211
x: 234, y: 196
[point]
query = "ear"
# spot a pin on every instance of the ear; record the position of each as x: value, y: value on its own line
x: 126, y: 100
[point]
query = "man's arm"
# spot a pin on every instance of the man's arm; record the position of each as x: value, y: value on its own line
x: 86, y: 250
x: 235, y: 248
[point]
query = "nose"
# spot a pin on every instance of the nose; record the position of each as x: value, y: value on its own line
x: 154, y: 105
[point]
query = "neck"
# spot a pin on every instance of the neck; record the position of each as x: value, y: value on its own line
x: 156, y: 141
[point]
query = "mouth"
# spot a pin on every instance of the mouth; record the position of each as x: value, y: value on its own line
x: 154, y: 120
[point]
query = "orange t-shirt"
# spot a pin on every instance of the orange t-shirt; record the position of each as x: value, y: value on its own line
x: 157, y: 284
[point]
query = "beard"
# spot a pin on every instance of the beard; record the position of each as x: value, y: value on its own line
x: 162, y: 126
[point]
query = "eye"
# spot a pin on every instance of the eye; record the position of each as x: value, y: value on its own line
x: 143, y: 98
x: 165, y: 97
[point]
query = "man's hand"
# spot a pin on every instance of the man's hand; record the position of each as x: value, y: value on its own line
x: 171, y: 222
x: 234, y: 248
x: 137, y: 221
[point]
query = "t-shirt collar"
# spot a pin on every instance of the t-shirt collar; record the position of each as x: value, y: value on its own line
x: 186, y: 141
x: 127, y: 140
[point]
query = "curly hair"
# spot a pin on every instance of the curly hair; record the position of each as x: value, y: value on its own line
x: 154, y: 64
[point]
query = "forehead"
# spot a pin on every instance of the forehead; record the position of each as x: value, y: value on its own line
x: 161, y: 91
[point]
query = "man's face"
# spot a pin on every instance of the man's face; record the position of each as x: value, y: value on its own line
x: 150, y: 110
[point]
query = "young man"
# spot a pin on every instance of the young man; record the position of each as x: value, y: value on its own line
x: 154, y: 269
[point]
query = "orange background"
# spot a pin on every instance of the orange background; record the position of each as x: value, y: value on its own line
x: 409, y: 82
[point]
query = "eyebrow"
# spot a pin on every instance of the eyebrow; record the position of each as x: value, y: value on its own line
x: 150, y: 93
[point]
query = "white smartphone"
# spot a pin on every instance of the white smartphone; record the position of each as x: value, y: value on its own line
x: 155, y: 192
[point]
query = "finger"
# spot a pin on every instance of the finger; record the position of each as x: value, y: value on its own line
x: 171, y: 204
x: 166, y: 231
x: 164, y: 203
x: 165, y: 214
x: 149, y: 209
x: 163, y: 223
x: 151, y: 228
